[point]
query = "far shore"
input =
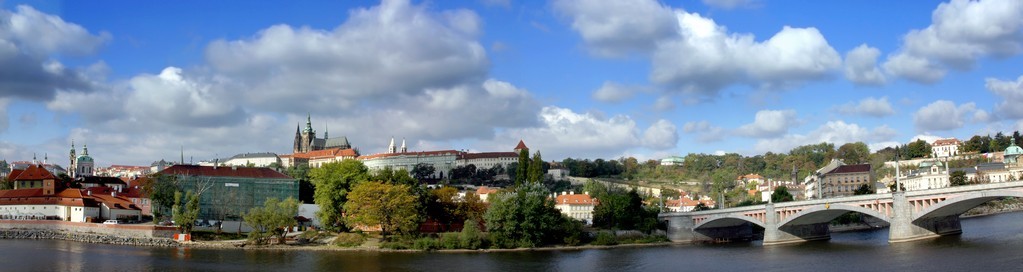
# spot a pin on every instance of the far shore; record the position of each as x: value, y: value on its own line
x: 231, y: 245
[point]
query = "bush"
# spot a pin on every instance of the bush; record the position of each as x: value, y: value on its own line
x: 450, y: 240
x: 345, y: 239
x: 425, y: 244
x: 572, y: 231
x: 605, y: 238
x: 471, y: 237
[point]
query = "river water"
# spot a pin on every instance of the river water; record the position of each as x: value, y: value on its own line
x: 989, y: 243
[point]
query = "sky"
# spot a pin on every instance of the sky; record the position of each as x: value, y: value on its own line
x: 140, y: 81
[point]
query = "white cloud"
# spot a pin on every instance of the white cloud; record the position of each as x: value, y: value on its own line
x: 732, y: 4
x: 565, y: 133
x: 664, y: 103
x: 385, y: 51
x: 705, y: 132
x: 617, y: 28
x: 874, y: 107
x: 769, y: 123
x: 944, y: 115
x: 28, y: 40
x: 614, y: 92
x: 961, y: 32
x: 835, y: 132
x: 693, y: 54
x: 861, y: 66
x: 1011, y: 93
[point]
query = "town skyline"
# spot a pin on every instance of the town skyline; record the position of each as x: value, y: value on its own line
x: 580, y: 79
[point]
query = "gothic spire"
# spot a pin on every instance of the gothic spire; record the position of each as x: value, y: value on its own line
x: 390, y: 147
x: 325, y: 136
x: 403, y: 149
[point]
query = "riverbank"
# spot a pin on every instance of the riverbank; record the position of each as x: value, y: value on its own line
x: 234, y: 245
x: 33, y: 234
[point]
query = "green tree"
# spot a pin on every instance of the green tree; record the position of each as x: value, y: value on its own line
x: 524, y: 218
x: 781, y: 194
x: 619, y: 210
x: 333, y: 181
x: 186, y: 213
x: 522, y: 169
x: 423, y: 171
x: 160, y: 189
x: 958, y: 178
x: 272, y: 220
x: 864, y: 189
x: 536, y: 173
x: 853, y: 153
x: 393, y: 207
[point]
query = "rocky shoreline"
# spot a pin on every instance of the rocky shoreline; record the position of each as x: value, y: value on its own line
x: 86, y: 238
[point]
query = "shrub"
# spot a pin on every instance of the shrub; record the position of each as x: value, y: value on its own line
x: 605, y: 238
x: 450, y: 240
x: 345, y: 239
x: 471, y: 237
x: 572, y: 231
x: 425, y: 244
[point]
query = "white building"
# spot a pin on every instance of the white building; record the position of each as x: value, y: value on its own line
x: 576, y: 206
x: 945, y: 148
x: 673, y: 161
x: 930, y: 175
x: 443, y: 161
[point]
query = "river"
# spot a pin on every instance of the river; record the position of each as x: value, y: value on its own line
x: 989, y: 243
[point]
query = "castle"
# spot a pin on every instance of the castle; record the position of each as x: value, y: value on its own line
x: 306, y: 141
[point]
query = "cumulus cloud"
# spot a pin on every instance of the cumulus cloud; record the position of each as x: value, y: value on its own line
x: 944, y: 115
x: 617, y: 28
x: 961, y: 32
x: 615, y: 92
x: 704, y: 131
x: 565, y: 133
x: 28, y: 39
x: 664, y: 103
x: 732, y: 4
x: 836, y: 132
x: 1011, y: 93
x: 861, y: 66
x: 769, y: 123
x: 874, y: 107
x: 392, y: 49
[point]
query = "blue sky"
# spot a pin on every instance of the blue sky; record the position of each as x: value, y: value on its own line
x: 137, y: 81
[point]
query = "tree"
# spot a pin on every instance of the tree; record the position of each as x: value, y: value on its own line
x: 958, y: 178
x: 781, y: 194
x: 160, y: 189
x: 863, y: 190
x: 523, y: 218
x: 393, y: 207
x: 333, y: 181
x: 618, y: 210
x: 521, y: 171
x: 185, y: 214
x: 272, y: 220
x: 423, y: 171
x: 536, y: 173
x: 853, y: 153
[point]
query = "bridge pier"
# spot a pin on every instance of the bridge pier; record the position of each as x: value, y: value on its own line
x: 776, y: 235
x: 903, y: 228
x: 681, y: 229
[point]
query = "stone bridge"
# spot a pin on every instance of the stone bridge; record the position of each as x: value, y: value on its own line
x: 912, y: 215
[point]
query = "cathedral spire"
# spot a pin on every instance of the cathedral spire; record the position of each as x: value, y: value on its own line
x: 325, y: 136
x: 403, y: 148
x: 390, y: 147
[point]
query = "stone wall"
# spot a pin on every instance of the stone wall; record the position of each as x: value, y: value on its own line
x: 88, y: 232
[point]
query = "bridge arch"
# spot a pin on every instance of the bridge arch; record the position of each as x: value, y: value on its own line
x: 825, y: 213
x: 728, y: 220
x: 960, y: 204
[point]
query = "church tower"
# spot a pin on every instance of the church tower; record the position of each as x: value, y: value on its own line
x: 307, y: 137
x: 391, y: 148
x: 298, y: 139
x: 403, y: 148
x: 71, y: 165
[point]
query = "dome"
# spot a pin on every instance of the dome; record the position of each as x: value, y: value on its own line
x: 1013, y: 150
x: 84, y: 158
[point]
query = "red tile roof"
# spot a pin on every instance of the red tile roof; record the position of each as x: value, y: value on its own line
x: 35, y: 172
x: 579, y: 199
x: 521, y: 145
x: 34, y: 196
x: 330, y: 152
x: 486, y: 190
x: 224, y: 171
x: 944, y: 142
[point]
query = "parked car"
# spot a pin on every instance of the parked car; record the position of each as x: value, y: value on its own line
x: 112, y: 222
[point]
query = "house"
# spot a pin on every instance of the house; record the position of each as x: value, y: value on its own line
x: 686, y: 203
x: 229, y: 192
x: 484, y: 192
x: 943, y: 148
x: 845, y: 179
x: 673, y: 161
x: 750, y: 178
x: 35, y: 204
x: 576, y: 206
